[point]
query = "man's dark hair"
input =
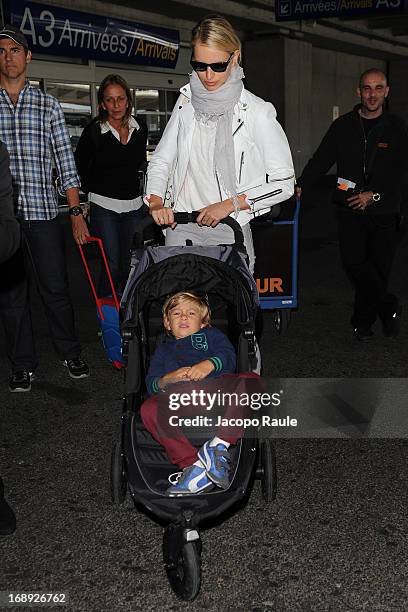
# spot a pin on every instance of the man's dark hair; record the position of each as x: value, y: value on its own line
x: 371, y: 71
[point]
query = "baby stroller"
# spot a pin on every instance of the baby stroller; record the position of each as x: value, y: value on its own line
x: 139, y: 464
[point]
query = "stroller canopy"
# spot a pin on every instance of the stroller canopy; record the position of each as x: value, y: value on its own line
x: 159, y: 271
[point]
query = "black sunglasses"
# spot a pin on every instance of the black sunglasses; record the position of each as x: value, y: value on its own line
x: 216, y: 67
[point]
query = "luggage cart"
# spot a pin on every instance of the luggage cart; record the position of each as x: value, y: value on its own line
x: 107, y: 309
x: 276, y: 243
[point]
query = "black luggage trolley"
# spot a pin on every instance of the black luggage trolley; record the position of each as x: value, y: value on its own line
x: 276, y: 243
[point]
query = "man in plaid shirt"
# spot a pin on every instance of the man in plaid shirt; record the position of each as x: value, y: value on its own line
x: 32, y: 126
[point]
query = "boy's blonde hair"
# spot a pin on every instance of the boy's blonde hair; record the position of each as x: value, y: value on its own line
x: 200, y: 300
x: 215, y: 31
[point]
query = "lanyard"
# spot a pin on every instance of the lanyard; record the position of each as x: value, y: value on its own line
x: 368, y: 164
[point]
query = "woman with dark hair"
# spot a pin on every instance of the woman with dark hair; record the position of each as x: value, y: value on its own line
x: 109, y: 155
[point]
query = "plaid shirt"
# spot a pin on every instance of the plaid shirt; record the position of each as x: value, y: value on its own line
x: 35, y: 134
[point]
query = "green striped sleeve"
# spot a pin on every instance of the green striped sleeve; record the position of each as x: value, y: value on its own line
x: 154, y: 385
x: 217, y: 363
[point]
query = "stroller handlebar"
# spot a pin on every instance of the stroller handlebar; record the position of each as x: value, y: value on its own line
x: 185, y: 217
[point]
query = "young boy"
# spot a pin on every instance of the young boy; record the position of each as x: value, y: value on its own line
x: 196, y: 351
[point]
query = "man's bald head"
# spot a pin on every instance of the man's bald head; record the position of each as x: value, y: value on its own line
x: 371, y: 72
x: 373, y: 90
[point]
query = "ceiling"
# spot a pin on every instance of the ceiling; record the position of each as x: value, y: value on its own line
x: 397, y: 25
x: 181, y: 9
x: 388, y: 26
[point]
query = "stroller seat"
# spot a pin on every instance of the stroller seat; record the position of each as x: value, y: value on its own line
x: 153, y: 460
x: 155, y: 464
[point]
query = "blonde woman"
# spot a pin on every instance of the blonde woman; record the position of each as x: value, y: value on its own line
x: 222, y: 147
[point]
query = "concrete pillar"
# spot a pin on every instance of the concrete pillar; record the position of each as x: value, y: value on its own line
x: 298, y: 100
x: 264, y: 68
x: 397, y: 77
x: 279, y: 70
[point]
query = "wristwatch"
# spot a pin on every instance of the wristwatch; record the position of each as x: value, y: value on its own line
x: 75, y: 211
x: 376, y: 197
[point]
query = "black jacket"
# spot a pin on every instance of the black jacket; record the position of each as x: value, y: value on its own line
x: 108, y: 167
x: 383, y: 157
x: 9, y: 227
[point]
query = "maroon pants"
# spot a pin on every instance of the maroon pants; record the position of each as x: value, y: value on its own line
x: 156, y: 417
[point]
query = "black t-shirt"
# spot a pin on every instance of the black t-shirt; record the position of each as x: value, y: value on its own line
x: 369, y: 124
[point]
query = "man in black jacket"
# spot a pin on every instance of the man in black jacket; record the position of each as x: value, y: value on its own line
x: 9, y: 243
x: 368, y: 145
x: 9, y: 227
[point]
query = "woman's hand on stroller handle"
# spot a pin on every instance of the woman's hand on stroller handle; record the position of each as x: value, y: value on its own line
x: 161, y: 215
x: 212, y: 214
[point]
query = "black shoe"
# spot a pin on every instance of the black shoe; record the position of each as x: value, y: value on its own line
x: 77, y: 367
x: 7, y: 517
x: 363, y: 333
x: 20, y: 382
x: 390, y: 325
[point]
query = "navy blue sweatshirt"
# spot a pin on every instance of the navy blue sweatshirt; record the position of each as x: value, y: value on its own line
x: 209, y: 343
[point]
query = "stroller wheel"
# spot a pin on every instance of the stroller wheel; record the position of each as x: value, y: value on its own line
x: 268, y: 470
x: 281, y: 319
x: 118, y: 480
x: 182, y: 565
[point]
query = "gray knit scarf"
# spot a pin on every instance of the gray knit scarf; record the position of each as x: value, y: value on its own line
x: 219, y: 106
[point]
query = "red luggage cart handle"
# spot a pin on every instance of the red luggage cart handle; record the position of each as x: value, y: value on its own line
x: 99, y: 301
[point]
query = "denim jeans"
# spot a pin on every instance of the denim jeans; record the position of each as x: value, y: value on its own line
x: 116, y: 231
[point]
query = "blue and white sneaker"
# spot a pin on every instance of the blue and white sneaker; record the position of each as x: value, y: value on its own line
x: 217, y: 463
x: 192, y: 480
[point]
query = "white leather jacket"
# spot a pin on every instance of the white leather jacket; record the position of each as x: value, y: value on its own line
x: 263, y: 161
